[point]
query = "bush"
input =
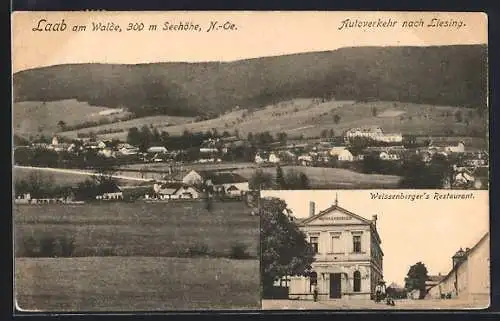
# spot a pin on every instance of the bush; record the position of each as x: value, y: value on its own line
x: 239, y: 252
x: 198, y: 249
x: 47, y: 246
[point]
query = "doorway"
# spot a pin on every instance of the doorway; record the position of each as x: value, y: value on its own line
x: 335, y: 286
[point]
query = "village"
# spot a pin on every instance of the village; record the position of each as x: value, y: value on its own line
x: 181, y: 173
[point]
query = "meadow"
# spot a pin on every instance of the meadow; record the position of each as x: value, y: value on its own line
x: 136, y: 284
x: 130, y: 256
x: 331, y: 178
x: 34, y: 117
x: 310, y: 117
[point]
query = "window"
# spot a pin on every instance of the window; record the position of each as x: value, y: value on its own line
x: 335, y: 246
x: 356, y: 243
x: 357, y: 281
x: 313, y: 281
x: 314, y: 243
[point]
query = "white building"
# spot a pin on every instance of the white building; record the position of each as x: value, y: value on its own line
x: 230, y: 184
x: 342, y: 153
x: 469, y: 277
x: 373, y: 132
x: 348, y: 261
x: 273, y: 158
x: 157, y: 149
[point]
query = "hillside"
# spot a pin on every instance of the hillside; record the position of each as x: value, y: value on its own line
x: 32, y: 117
x: 309, y: 117
x: 446, y: 75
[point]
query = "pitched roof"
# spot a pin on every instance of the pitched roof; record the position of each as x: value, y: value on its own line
x: 467, y: 253
x: 343, y: 210
x: 435, y: 278
x: 222, y: 178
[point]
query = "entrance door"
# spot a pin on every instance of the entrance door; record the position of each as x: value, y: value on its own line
x: 335, y: 287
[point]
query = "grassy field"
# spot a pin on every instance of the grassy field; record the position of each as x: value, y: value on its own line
x: 160, y: 122
x: 127, y: 256
x: 142, y: 229
x: 59, y: 178
x: 310, y: 117
x: 406, y: 118
x: 323, y: 178
x: 284, y: 116
x: 64, y: 178
x: 136, y: 284
x: 319, y: 177
x: 33, y: 117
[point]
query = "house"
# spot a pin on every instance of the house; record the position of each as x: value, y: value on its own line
x: 259, y: 158
x: 469, y: 277
x: 175, y: 190
x: 109, y: 191
x: 390, y: 155
x: 448, y: 147
x: 305, y: 160
x: 107, y: 152
x: 433, y: 280
x: 157, y: 149
x: 348, y: 256
x: 127, y: 149
x: 273, y: 158
x: 373, y: 132
x: 230, y: 184
x: 342, y: 153
x: 101, y: 145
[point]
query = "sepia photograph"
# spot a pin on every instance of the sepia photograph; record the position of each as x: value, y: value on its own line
x: 142, y: 142
x: 347, y: 250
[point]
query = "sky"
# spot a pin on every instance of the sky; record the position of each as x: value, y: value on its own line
x: 257, y: 34
x: 430, y: 231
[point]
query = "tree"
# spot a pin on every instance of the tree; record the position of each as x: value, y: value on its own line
x: 324, y: 133
x: 374, y: 112
x: 61, y: 124
x: 296, y: 180
x: 336, y: 119
x: 437, y: 173
x: 260, y: 180
x: 416, y: 277
x: 304, y: 181
x: 331, y: 133
x: 458, y: 116
x: 280, y: 179
x: 283, y: 247
x: 282, y: 137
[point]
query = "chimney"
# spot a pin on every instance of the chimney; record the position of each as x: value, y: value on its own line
x: 374, y: 219
x: 312, y: 209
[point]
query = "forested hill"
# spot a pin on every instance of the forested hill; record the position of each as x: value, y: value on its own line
x: 443, y: 75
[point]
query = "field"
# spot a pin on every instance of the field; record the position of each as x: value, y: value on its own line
x: 319, y: 177
x: 406, y: 118
x: 284, y: 116
x: 310, y: 117
x: 133, y: 251
x: 34, y: 117
x: 65, y: 177
x: 160, y: 122
x: 136, y: 284
x: 327, y: 178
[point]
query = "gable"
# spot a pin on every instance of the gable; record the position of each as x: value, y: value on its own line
x: 335, y: 216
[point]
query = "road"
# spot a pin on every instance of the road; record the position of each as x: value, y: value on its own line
x: 83, y: 172
x: 352, y: 304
